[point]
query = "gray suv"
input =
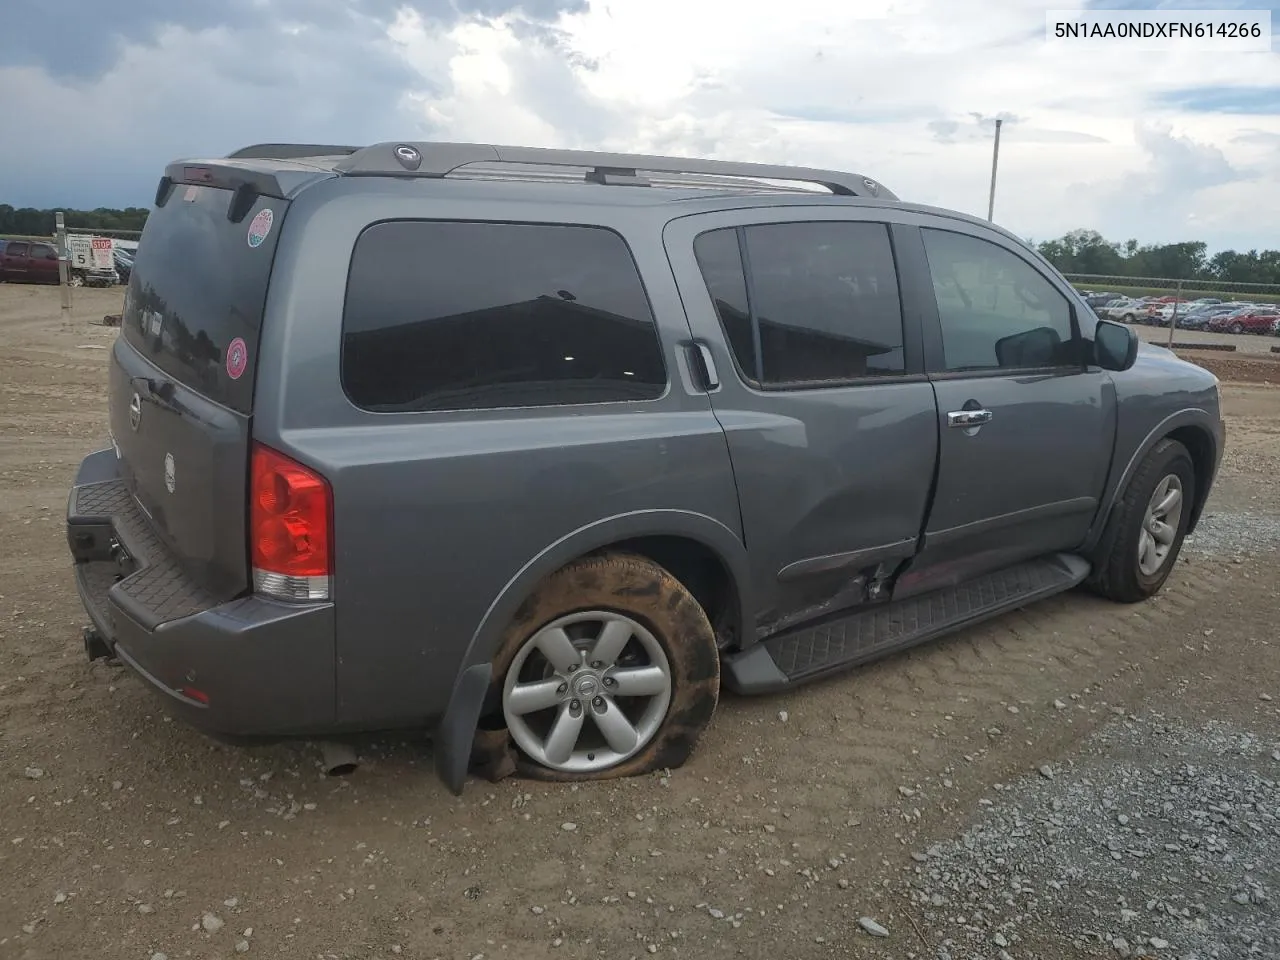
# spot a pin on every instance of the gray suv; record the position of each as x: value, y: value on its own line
x: 539, y: 449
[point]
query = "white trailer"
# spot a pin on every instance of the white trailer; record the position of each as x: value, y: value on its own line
x: 91, y: 260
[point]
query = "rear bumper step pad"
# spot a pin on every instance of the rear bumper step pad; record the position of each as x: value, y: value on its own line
x: 115, y: 547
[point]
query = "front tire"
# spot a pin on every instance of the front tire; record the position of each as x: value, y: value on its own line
x: 609, y: 670
x: 1147, y: 526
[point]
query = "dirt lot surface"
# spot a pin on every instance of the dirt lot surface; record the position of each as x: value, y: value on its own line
x: 1074, y: 779
x: 1243, y: 342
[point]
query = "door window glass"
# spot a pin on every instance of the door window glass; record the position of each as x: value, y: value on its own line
x: 996, y: 311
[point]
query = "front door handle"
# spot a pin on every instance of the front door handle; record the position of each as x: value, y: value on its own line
x: 968, y: 418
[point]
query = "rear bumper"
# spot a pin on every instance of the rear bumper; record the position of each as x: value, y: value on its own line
x: 248, y: 667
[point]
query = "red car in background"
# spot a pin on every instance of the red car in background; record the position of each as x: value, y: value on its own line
x: 1253, y: 320
x: 23, y: 261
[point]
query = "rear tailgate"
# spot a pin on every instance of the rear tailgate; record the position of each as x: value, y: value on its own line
x: 182, y: 375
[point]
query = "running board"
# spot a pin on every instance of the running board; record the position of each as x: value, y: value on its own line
x: 872, y: 632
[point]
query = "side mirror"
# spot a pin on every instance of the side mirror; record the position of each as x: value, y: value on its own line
x: 1038, y: 347
x: 1115, y: 346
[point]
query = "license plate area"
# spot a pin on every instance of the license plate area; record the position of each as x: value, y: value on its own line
x: 124, y: 563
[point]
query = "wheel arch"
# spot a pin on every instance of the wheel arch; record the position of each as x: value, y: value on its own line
x: 1192, y: 427
x: 1202, y: 446
x: 700, y: 545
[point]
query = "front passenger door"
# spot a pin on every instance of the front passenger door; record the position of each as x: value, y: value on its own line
x: 1026, y: 422
x: 44, y: 263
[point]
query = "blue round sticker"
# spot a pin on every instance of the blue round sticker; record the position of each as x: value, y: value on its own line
x: 259, y: 227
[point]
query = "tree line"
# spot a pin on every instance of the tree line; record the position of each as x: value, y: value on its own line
x: 1086, y: 251
x: 28, y: 221
x: 1080, y: 251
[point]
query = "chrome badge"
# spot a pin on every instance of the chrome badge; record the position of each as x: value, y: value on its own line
x: 170, y: 479
x: 135, y: 411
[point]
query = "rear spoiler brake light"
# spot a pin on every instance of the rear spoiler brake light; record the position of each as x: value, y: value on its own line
x: 242, y: 201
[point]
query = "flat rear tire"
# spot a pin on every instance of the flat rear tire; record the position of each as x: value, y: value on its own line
x: 609, y: 670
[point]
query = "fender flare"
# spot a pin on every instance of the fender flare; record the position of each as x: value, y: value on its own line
x: 458, y: 723
x: 1196, y: 417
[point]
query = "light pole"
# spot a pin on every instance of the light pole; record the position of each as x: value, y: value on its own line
x: 995, y: 159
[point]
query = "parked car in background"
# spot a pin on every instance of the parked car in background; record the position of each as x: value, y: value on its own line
x: 1249, y: 320
x: 124, y: 264
x: 36, y: 261
x: 1198, y: 317
x: 29, y: 261
x: 1099, y: 300
x: 1126, y: 310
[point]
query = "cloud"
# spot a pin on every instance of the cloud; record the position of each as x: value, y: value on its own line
x: 1176, y: 193
x: 81, y: 39
x: 982, y: 128
x: 904, y: 91
x: 1226, y: 99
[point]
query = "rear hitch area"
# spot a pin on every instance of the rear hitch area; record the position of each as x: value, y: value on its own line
x: 96, y: 646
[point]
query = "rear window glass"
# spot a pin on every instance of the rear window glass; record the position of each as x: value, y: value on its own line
x: 198, y: 288
x: 462, y: 315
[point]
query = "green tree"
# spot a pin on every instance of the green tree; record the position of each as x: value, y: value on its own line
x: 32, y: 222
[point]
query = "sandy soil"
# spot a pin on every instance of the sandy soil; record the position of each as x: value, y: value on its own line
x: 125, y: 835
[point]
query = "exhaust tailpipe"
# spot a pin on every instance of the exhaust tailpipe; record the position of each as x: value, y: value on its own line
x: 338, y: 759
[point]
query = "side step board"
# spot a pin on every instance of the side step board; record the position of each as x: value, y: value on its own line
x: 873, y: 632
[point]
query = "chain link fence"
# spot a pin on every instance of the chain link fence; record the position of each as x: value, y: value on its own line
x: 1197, y: 312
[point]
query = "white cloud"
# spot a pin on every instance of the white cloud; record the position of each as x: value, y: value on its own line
x: 891, y: 90
x: 902, y: 90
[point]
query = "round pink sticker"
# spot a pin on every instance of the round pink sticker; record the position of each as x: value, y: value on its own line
x: 237, y: 358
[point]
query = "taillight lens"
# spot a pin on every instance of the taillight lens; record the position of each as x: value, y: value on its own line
x: 290, y: 527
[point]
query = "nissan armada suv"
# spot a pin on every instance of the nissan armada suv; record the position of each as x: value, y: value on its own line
x: 539, y: 449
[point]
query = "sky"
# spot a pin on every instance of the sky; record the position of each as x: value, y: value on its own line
x: 1157, y: 146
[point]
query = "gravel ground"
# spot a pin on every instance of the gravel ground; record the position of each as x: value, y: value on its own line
x: 1244, y: 342
x: 1233, y: 535
x: 789, y: 835
x: 1157, y: 839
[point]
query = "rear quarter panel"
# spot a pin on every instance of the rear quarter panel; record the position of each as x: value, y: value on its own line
x: 437, y: 515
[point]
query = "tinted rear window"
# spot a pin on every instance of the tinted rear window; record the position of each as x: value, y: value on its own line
x: 197, y: 291
x: 460, y: 315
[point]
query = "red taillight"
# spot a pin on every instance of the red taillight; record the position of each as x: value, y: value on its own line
x: 290, y: 527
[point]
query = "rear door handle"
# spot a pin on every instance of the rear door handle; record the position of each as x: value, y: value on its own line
x: 708, y: 365
x: 968, y: 418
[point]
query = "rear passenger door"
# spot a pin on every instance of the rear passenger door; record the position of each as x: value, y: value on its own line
x: 43, y: 263
x: 1026, y: 421
x: 817, y: 379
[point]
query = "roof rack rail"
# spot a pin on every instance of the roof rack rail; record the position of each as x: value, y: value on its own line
x: 441, y: 159
x: 290, y: 151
